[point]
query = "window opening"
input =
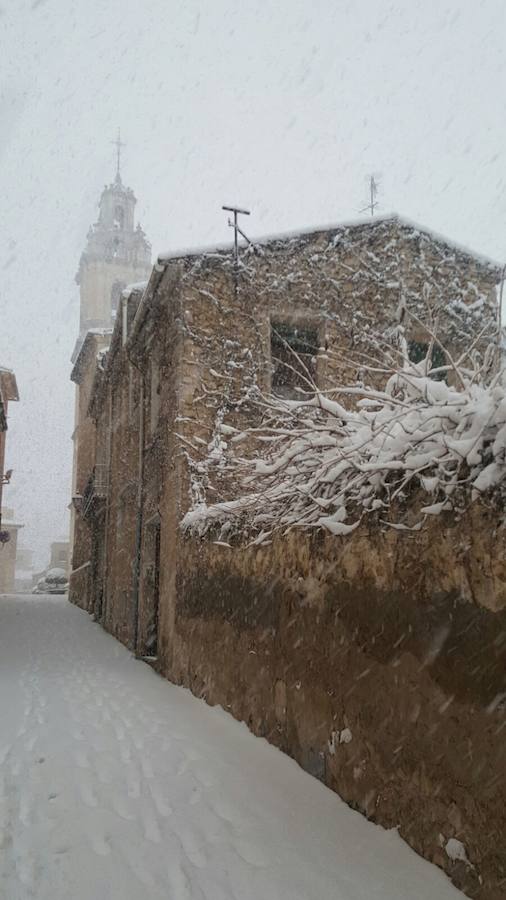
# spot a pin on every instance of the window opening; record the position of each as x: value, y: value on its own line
x: 417, y: 351
x: 293, y: 356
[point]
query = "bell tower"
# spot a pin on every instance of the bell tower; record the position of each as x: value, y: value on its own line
x: 116, y: 254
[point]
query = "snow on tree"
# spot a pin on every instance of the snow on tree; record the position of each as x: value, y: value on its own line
x: 431, y: 439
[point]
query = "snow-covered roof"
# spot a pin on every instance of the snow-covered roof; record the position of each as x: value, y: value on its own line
x: 80, y: 352
x: 7, y: 524
x: 288, y: 236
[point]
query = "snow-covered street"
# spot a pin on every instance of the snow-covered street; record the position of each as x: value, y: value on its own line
x: 116, y: 785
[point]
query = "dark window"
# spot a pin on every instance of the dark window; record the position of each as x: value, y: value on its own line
x: 418, y: 351
x: 293, y: 354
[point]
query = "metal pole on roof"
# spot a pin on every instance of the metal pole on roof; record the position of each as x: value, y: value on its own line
x: 237, y: 211
x: 373, y: 193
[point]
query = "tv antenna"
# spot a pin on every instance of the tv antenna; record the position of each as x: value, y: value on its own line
x: 373, y: 193
x: 237, y: 211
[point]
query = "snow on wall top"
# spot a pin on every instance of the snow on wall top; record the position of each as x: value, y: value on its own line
x: 137, y: 287
x: 287, y: 239
x: 80, y: 352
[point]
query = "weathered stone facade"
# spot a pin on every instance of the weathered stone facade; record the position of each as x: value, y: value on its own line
x: 84, y: 443
x: 9, y: 552
x: 377, y: 661
x: 310, y: 628
x: 8, y: 393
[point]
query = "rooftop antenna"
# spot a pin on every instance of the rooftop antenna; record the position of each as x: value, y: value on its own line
x: 237, y: 211
x: 118, y: 144
x: 373, y: 193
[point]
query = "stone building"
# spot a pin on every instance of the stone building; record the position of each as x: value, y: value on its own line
x: 8, y: 552
x: 8, y: 393
x: 116, y: 254
x: 83, y: 374
x: 8, y: 530
x: 186, y: 352
x: 59, y: 555
x: 261, y: 632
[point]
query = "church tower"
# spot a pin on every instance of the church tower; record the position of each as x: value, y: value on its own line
x: 116, y: 254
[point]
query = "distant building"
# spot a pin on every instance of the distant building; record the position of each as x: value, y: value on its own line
x: 24, y: 568
x: 116, y: 254
x: 59, y: 558
x: 8, y: 392
x: 25, y: 558
x: 8, y: 553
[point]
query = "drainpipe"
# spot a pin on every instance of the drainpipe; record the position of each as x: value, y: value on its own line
x: 107, y: 510
x: 138, y: 526
x: 124, y: 321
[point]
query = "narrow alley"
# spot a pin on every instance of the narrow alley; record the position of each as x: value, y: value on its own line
x: 116, y: 785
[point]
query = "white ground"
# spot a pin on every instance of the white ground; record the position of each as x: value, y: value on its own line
x: 116, y: 785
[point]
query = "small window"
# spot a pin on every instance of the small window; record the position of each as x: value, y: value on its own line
x: 418, y: 351
x: 119, y: 217
x: 293, y: 356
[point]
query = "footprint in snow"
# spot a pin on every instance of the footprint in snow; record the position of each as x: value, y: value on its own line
x: 193, y: 849
x: 82, y: 760
x: 195, y: 796
x: 30, y: 743
x: 133, y: 787
x: 88, y: 795
x: 100, y: 844
x: 250, y: 854
x: 120, y: 807
x: 147, y: 768
x: 180, y: 887
x: 4, y: 752
x: 163, y: 808
x: 151, y: 830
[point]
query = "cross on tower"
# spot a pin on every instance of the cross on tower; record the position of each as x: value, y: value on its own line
x: 118, y: 144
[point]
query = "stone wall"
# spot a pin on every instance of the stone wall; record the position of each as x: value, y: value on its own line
x: 348, y: 284
x: 376, y: 661
x: 119, y: 523
x: 84, y: 438
x: 8, y: 553
x: 351, y: 656
x: 80, y: 587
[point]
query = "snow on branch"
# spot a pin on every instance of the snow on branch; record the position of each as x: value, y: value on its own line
x: 402, y: 453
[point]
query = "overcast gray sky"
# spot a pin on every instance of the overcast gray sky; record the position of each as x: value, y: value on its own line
x: 282, y: 106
